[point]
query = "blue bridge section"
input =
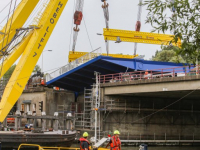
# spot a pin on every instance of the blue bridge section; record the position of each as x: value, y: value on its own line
x: 83, y: 76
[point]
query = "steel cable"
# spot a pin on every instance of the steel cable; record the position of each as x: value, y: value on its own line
x: 166, y: 106
x: 72, y: 26
x: 87, y: 34
x: 5, y: 34
x: 5, y: 7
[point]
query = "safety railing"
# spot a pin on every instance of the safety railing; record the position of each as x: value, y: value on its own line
x: 21, y: 146
x: 150, y: 74
x: 40, y: 13
x: 74, y: 64
x: 126, y: 136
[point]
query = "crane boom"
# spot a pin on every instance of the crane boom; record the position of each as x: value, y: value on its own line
x: 16, y: 53
x: 20, y: 15
x: 30, y: 56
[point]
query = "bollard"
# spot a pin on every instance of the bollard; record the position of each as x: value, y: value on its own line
x: 143, y: 147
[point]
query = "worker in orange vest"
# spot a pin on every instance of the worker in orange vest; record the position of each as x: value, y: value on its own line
x: 84, y: 143
x: 42, y: 81
x: 115, y: 143
x: 146, y: 74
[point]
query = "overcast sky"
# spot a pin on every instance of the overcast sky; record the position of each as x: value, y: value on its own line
x: 123, y: 15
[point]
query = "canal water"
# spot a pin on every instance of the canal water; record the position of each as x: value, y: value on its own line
x: 156, y: 147
x: 163, y: 148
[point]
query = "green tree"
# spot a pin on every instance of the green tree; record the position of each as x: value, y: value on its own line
x: 37, y: 69
x: 168, y: 54
x: 183, y: 22
x: 8, y: 74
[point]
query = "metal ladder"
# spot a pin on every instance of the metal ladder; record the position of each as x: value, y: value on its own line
x: 88, y: 106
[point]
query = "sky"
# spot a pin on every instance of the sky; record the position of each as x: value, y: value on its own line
x: 123, y: 15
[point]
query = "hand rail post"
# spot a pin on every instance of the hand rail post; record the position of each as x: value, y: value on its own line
x: 185, y: 70
x: 112, y: 78
x: 140, y: 75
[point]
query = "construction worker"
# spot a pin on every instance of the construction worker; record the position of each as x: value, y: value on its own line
x: 115, y: 143
x: 84, y: 143
x: 146, y: 74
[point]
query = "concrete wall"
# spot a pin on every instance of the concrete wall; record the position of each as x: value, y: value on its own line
x: 152, y: 85
x: 135, y: 118
x: 57, y: 99
x: 52, y: 99
x: 35, y: 98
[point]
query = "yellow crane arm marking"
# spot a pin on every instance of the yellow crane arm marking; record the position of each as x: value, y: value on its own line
x: 30, y: 56
x: 138, y: 37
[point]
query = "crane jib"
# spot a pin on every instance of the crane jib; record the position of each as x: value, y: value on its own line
x: 52, y: 21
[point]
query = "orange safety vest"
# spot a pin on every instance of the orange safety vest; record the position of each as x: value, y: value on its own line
x: 42, y: 82
x: 83, y: 140
x: 146, y: 75
x: 115, y: 144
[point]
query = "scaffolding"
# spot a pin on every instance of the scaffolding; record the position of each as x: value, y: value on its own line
x: 90, y: 118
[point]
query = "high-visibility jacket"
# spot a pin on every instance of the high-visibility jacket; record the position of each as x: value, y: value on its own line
x: 84, y: 140
x: 42, y: 81
x: 115, y: 143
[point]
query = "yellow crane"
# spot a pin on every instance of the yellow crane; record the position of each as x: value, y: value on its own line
x: 29, y: 49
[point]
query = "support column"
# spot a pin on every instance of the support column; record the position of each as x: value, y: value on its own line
x: 55, y: 124
x: 16, y: 123
x: 44, y: 124
x: 34, y: 123
x: 5, y: 123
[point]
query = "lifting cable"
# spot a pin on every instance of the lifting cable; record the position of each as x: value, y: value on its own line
x: 138, y: 23
x: 8, y: 15
x: 166, y: 106
x: 5, y: 7
x: 78, y: 15
x: 87, y: 34
x: 106, y: 13
x: 71, y: 27
x: 106, y: 16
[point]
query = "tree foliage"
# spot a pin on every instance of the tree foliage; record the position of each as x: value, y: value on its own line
x: 180, y: 17
x: 37, y: 69
x: 8, y: 74
x: 168, y: 54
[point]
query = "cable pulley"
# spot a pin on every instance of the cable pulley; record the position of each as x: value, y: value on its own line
x: 78, y: 16
x: 106, y: 12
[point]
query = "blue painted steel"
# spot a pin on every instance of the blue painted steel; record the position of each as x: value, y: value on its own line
x: 75, y: 69
x: 104, y: 65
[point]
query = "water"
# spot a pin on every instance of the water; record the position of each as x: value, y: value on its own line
x: 162, y: 148
x: 156, y: 147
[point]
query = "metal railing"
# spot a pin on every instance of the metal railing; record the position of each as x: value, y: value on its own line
x: 74, y: 64
x: 45, y: 148
x: 163, y: 136
x: 151, y: 74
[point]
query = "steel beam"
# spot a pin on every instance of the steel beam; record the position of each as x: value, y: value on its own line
x: 138, y: 37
